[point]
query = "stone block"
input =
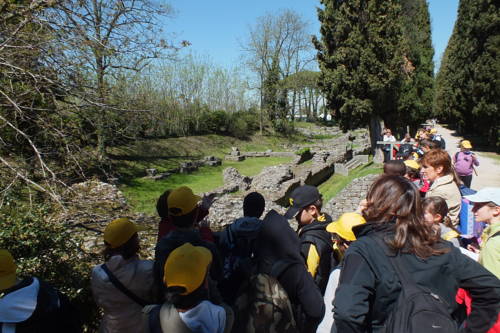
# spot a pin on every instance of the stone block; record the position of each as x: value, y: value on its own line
x: 341, y: 169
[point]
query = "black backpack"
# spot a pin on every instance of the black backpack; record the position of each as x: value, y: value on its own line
x: 417, y: 309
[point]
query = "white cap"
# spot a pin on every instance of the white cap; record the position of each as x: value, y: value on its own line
x: 487, y: 194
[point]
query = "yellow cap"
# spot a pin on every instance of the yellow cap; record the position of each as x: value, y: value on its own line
x: 187, y: 267
x: 7, y: 270
x: 466, y: 144
x: 343, y: 226
x: 412, y: 164
x: 182, y: 201
x: 433, y: 131
x: 119, y: 231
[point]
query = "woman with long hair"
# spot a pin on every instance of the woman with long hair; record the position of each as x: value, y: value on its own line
x: 369, y: 285
x: 437, y: 169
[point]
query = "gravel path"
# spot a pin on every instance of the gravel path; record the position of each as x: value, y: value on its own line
x: 489, y: 168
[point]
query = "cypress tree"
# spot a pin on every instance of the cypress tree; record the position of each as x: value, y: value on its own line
x: 468, y: 87
x: 416, y: 94
x: 360, y: 60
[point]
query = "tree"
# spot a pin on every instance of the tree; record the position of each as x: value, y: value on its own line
x: 361, y: 61
x: 104, y: 38
x: 277, y: 46
x: 467, y: 86
x: 417, y: 89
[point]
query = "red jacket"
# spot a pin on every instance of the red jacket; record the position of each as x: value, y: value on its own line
x: 464, y: 298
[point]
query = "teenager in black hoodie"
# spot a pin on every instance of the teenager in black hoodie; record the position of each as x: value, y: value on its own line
x: 279, y: 244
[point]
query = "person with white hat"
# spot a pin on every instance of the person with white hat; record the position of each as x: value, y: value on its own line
x: 487, y: 209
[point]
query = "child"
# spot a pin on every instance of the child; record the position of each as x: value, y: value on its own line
x: 413, y: 175
x: 435, y: 213
x: 187, y: 307
x: 464, y: 162
x: 395, y: 168
x: 342, y: 237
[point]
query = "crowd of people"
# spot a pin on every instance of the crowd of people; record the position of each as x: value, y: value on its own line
x: 399, y: 263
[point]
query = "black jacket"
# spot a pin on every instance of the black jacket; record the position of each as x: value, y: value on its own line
x: 278, y: 242
x: 316, y: 247
x: 52, y: 313
x: 369, y: 287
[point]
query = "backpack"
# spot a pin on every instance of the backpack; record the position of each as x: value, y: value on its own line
x: 463, y: 163
x: 417, y: 309
x: 263, y: 305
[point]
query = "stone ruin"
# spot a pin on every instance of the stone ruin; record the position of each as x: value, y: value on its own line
x: 235, y: 155
x: 92, y: 204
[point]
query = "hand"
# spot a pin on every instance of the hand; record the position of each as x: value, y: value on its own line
x: 207, y: 201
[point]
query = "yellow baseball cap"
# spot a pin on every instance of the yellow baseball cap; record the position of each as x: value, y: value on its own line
x: 466, y: 144
x: 7, y: 270
x: 433, y: 131
x: 182, y: 201
x: 187, y: 267
x: 412, y: 164
x: 343, y: 226
x: 119, y: 231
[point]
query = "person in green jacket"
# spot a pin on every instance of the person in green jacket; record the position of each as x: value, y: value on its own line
x: 487, y: 209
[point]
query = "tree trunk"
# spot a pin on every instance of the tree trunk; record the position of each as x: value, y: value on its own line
x: 376, y: 125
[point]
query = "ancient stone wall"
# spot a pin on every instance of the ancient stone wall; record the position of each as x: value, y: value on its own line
x: 349, y: 198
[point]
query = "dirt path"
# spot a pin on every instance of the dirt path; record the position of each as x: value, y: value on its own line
x: 489, y: 168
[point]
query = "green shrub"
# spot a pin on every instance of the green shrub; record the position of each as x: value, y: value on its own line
x: 50, y: 251
x: 214, y: 122
x: 302, y: 151
x: 238, y: 128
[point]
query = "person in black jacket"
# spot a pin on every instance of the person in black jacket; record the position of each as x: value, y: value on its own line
x: 30, y: 305
x: 278, y: 242
x: 369, y: 287
x: 316, y: 245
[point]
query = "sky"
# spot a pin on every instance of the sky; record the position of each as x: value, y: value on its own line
x: 217, y: 28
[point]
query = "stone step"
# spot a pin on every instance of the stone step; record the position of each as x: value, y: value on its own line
x: 352, y: 164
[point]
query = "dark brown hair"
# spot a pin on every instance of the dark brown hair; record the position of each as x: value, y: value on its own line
x: 395, y: 199
x: 162, y: 205
x: 395, y: 168
x: 127, y: 250
x: 437, y: 205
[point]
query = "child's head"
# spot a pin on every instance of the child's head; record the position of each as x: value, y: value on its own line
x: 412, y: 169
x: 486, y: 204
x: 435, y: 210
x: 183, y: 207
x: 465, y: 145
x: 253, y: 205
x: 341, y: 230
x: 395, y: 168
x: 186, y: 271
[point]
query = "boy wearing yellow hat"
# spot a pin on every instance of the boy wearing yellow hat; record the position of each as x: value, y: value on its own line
x: 31, y: 305
x: 183, y: 210
x: 342, y: 236
x: 188, y: 308
x: 124, y: 284
x: 465, y: 161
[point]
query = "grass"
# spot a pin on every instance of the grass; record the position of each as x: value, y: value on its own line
x: 142, y: 193
x: 337, y: 183
x: 130, y: 161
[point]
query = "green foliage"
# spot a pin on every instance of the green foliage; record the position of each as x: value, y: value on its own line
x: 467, y: 85
x: 50, y: 251
x: 360, y: 59
x: 305, y: 150
x: 337, y: 183
x: 376, y: 61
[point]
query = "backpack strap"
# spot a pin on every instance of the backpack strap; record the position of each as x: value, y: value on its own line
x: 122, y: 288
x: 495, y: 234
x: 408, y: 286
